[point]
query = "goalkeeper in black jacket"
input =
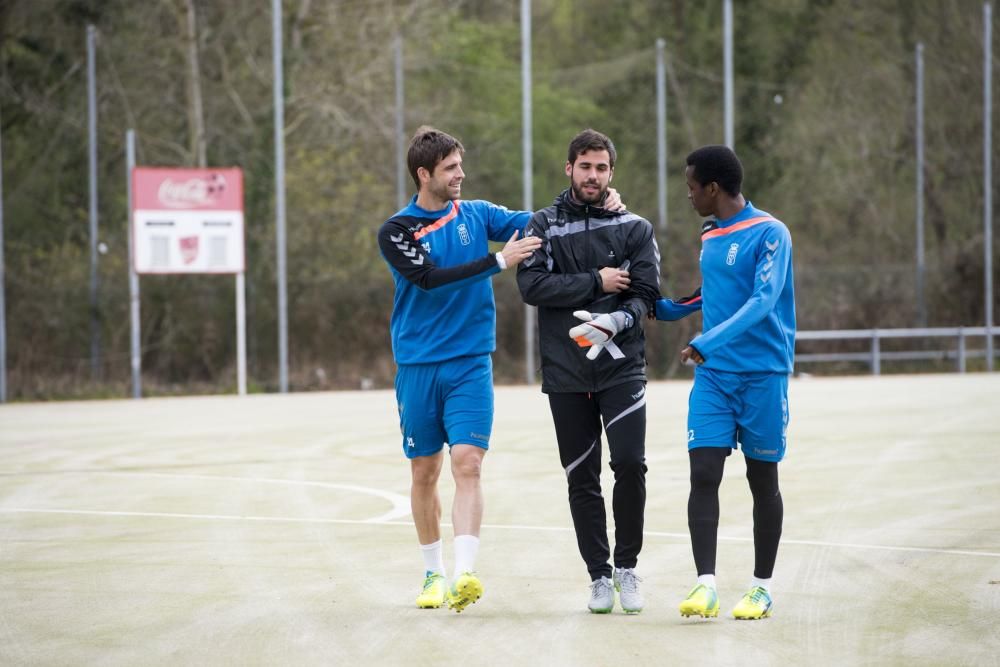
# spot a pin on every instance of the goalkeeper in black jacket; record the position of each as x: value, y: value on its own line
x: 594, y: 280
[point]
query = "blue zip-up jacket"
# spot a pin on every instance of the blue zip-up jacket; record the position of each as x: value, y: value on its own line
x: 443, y: 306
x: 748, y: 297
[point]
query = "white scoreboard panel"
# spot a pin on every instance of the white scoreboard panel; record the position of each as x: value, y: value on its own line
x: 172, y: 241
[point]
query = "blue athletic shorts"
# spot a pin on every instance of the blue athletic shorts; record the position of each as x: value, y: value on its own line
x: 748, y: 408
x: 450, y: 401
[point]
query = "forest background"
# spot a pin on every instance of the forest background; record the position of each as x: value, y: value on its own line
x: 824, y: 124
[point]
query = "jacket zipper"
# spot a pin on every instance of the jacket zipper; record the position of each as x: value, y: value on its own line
x: 590, y: 262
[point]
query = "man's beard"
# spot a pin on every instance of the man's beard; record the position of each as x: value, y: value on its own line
x: 596, y: 198
x: 444, y: 193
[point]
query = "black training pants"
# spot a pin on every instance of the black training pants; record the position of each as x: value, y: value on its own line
x: 577, y: 419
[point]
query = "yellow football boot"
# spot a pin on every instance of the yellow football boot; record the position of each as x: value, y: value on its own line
x: 701, y: 601
x: 432, y: 596
x: 756, y: 604
x: 464, y: 591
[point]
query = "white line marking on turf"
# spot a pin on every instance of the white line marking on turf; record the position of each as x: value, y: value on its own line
x: 849, y: 545
x: 379, y: 521
x: 400, y: 504
x: 207, y: 517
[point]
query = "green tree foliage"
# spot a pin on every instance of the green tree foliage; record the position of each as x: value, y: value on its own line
x: 824, y: 124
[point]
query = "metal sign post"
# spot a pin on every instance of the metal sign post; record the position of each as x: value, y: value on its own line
x: 3, y: 307
x: 135, y: 351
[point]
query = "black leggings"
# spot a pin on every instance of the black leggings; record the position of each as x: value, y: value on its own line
x: 707, y: 464
x: 577, y: 420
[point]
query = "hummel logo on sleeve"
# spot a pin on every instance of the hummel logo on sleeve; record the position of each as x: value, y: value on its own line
x: 408, y: 250
x: 765, y: 273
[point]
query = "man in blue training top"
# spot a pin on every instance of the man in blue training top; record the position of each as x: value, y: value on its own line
x: 443, y: 329
x: 744, y: 357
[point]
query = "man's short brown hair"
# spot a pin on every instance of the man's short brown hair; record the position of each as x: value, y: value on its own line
x: 591, y: 140
x: 428, y: 147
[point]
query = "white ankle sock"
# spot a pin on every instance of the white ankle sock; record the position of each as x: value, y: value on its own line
x: 466, y: 548
x: 707, y: 579
x: 763, y: 583
x: 433, y: 557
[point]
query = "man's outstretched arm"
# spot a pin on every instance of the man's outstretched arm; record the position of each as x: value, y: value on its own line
x: 406, y: 255
x: 669, y: 310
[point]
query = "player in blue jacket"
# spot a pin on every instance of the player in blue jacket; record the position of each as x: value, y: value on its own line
x: 744, y: 357
x: 443, y: 330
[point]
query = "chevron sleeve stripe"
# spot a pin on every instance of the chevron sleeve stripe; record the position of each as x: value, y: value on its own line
x: 406, y: 255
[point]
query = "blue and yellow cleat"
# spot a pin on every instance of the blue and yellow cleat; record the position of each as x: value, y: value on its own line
x: 755, y: 605
x: 432, y: 596
x: 464, y: 591
x: 701, y: 601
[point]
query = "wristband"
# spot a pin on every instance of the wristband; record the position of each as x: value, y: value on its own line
x: 501, y: 262
x: 623, y: 319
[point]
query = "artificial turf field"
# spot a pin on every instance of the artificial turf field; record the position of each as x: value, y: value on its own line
x: 274, y: 530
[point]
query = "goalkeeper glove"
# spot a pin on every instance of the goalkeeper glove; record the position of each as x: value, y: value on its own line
x: 597, y: 331
x: 670, y: 310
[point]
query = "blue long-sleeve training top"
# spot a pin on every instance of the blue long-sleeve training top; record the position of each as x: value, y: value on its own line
x: 443, y: 307
x: 748, y: 297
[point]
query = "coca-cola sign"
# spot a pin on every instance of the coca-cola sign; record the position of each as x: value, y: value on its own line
x: 186, y: 189
x: 193, y: 192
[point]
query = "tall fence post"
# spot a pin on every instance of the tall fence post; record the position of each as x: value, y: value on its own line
x: 397, y: 51
x: 727, y: 69
x: 961, y: 350
x: 3, y: 307
x: 921, y: 268
x: 661, y: 132
x: 134, y: 303
x: 527, y: 182
x: 277, y: 62
x: 876, y: 362
x: 95, y: 322
x: 988, y: 178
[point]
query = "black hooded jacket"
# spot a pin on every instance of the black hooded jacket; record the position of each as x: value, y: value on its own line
x: 563, y: 276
